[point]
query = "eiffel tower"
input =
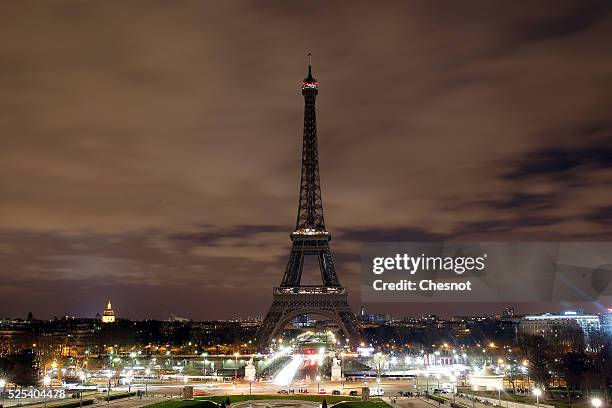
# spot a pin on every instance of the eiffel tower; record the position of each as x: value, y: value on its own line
x: 310, y: 238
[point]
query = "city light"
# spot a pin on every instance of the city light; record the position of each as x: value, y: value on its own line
x: 286, y: 374
x: 537, y: 392
x: 596, y: 402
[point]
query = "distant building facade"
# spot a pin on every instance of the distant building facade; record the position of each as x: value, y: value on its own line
x: 553, y: 325
x: 607, y: 321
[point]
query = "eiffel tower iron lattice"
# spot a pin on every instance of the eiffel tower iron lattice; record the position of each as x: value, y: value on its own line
x: 310, y: 238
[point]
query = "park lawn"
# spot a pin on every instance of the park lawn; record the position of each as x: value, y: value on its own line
x: 205, y: 402
x: 179, y: 403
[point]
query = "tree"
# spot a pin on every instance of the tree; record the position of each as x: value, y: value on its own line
x: 324, y: 403
x: 20, y: 368
x: 573, y: 367
x: 600, y: 350
x: 379, y: 360
x: 227, y: 402
x: 536, y: 350
x: 513, y: 373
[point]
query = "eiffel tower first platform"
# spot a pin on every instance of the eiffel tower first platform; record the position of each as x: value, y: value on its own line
x: 310, y: 238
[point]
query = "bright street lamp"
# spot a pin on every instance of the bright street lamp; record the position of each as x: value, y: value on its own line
x: 2, y: 385
x: 454, y: 381
x: 236, y: 354
x: 596, y: 402
x: 46, y: 383
x: 147, y: 373
x: 537, y: 392
x: 109, y: 376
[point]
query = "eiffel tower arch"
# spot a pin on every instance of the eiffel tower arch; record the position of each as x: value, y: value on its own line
x: 310, y: 238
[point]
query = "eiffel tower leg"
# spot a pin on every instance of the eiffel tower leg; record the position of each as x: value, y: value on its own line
x: 326, y: 264
x: 293, y: 272
x: 268, y: 327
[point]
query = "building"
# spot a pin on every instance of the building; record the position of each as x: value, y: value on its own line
x: 550, y: 324
x: 607, y: 321
x: 108, y: 316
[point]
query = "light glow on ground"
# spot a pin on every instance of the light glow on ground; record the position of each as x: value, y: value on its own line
x: 286, y: 374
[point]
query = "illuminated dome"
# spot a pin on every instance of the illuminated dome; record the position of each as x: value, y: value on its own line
x: 108, y: 316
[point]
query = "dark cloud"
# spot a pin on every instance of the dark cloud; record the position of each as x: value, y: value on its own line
x: 602, y: 215
x: 149, y: 151
x: 582, y: 17
x: 560, y: 162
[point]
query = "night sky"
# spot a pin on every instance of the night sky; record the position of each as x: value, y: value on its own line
x: 149, y: 151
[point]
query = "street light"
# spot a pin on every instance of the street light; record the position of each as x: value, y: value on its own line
x: 438, y: 376
x: 342, y: 354
x: 236, y: 354
x: 537, y: 392
x: 205, y: 362
x: 318, y: 384
x: 83, y: 378
x: 596, y: 402
x: 46, y: 383
x: 108, y: 375
x: 147, y: 373
x: 129, y: 380
x: 454, y: 380
x: 2, y: 385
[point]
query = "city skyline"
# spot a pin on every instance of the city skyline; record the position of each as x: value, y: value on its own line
x: 155, y: 161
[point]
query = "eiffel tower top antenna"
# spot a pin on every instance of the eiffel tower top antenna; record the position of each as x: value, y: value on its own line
x: 310, y: 66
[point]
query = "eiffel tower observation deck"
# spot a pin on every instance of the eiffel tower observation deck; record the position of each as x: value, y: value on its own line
x: 310, y: 238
